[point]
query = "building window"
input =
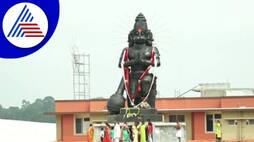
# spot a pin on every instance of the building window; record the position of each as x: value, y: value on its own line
x: 79, y: 125
x: 211, y: 120
x: 217, y: 116
x: 175, y: 118
x: 209, y: 123
x: 86, y: 124
x: 250, y: 122
x: 232, y: 122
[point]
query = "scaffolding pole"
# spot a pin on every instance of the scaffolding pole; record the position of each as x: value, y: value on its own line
x: 81, y: 76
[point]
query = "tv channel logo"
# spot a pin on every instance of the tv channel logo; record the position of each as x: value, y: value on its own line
x: 27, y: 26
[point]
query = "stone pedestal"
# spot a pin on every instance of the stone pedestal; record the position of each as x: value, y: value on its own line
x: 136, y: 114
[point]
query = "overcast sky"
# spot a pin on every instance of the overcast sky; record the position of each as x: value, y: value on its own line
x: 200, y: 41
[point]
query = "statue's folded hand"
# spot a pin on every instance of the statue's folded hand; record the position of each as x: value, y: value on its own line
x: 129, y: 63
x: 147, y: 62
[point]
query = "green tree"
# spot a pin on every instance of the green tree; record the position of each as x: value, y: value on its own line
x: 31, y: 111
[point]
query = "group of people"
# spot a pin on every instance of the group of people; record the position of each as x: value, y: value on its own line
x: 139, y: 132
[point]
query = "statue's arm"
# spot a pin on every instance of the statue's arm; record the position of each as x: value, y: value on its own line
x: 157, y: 56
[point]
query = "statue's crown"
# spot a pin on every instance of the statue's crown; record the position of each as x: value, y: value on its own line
x: 140, y: 16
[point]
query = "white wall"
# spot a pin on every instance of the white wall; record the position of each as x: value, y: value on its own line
x: 25, y: 131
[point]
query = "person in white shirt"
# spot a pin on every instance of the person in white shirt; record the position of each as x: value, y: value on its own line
x: 117, y: 132
x: 102, y: 134
x: 178, y: 131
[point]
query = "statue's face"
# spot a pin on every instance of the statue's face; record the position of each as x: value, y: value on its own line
x: 139, y: 37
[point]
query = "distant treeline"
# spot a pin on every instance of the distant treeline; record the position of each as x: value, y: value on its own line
x: 31, y: 111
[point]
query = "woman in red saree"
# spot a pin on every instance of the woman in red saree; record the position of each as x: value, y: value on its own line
x: 107, y: 133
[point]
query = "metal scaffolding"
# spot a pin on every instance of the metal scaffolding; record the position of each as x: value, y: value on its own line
x: 81, y: 76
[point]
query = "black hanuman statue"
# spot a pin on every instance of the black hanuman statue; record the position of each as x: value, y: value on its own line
x: 136, y: 62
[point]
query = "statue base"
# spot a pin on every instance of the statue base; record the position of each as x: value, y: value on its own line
x: 136, y: 114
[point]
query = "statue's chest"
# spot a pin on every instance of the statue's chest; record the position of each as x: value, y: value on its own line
x: 142, y: 53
